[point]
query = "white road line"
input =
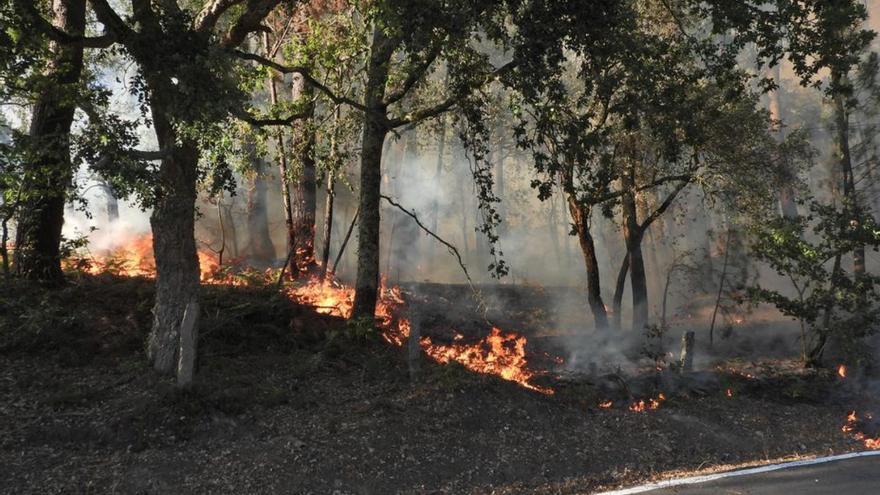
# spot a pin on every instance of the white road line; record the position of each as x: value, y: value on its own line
x: 742, y: 472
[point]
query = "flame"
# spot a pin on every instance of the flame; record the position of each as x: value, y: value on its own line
x: 850, y: 427
x: 500, y: 353
x: 328, y: 297
x: 649, y: 405
x: 729, y: 393
x: 134, y: 258
x: 606, y: 404
x: 841, y: 371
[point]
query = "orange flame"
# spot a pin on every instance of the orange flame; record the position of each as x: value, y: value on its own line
x: 841, y: 371
x: 606, y: 404
x: 650, y: 405
x: 850, y: 427
x: 135, y: 259
x: 501, y: 353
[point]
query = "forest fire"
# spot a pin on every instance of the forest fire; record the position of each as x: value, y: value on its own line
x: 134, y: 258
x: 326, y: 297
x: 500, y: 353
x: 852, y: 426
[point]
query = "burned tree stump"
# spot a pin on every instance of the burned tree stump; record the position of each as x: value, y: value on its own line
x: 189, y: 335
x: 687, y: 352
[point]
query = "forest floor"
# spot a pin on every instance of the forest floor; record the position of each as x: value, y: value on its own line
x: 281, y: 408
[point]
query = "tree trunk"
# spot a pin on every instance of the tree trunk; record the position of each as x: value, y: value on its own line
x: 619, y: 287
x: 48, y: 175
x: 328, y: 223
x: 331, y: 196
x: 441, y: 155
x: 581, y: 217
x: 112, y: 205
x: 850, y: 198
x: 282, y: 167
x: 174, y: 246
x: 373, y: 137
x: 305, y: 189
x: 639, y: 285
x: 787, y: 200
x: 259, y: 246
x: 633, y: 234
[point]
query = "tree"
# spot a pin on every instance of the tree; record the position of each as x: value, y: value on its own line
x: 406, y: 41
x: 827, y: 301
x: 47, y: 170
x: 185, y: 70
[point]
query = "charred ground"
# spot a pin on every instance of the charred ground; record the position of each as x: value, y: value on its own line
x: 288, y: 401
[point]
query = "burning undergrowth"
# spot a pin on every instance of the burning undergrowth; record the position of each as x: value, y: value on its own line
x: 865, y: 429
x: 500, y: 353
x: 449, y: 332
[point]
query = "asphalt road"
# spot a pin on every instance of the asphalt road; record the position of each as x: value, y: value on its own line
x: 858, y: 476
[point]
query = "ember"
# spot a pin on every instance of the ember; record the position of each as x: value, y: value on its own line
x: 650, y: 405
x: 729, y: 393
x: 852, y: 427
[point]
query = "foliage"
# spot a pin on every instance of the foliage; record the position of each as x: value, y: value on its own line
x: 801, y: 250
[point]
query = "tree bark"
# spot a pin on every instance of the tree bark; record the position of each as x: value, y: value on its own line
x: 112, y: 203
x: 48, y: 174
x: 331, y: 197
x: 581, y: 217
x: 328, y: 223
x: 282, y: 167
x: 174, y: 246
x: 305, y: 190
x: 851, y: 200
x: 260, y: 247
x: 373, y: 137
x: 787, y: 200
x: 633, y: 233
x: 619, y: 287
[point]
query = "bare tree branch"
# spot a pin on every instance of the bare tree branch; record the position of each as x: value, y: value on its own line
x: 452, y: 249
x: 665, y: 205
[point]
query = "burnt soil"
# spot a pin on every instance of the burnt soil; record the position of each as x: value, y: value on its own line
x: 289, y: 401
